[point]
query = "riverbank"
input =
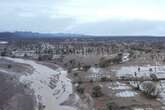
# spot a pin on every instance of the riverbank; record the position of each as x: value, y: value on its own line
x: 51, y: 87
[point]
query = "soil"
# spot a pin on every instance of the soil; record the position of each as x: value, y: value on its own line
x: 120, y: 103
x: 13, y: 95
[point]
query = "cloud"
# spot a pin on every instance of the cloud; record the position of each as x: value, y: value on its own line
x: 29, y: 7
x: 39, y: 23
x: 32, y: 15
x: 97, y: 10
x: 84, y: 16
x: 121, y: 27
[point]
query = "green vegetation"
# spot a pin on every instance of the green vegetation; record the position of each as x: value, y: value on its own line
x: 103, y: 63
x: 80, y: 89
x: 103, y: 79
x: 96, y: 91
x: 109, y: 105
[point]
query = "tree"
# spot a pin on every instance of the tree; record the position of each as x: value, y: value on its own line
x: 150, y: 89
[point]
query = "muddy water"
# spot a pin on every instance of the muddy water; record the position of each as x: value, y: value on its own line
x: 51, y: 87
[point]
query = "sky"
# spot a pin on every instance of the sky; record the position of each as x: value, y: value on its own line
x: 93, y: 17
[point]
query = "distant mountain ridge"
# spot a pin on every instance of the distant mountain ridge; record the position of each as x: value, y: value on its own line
x: 21, y: 34
x: 29, y: 34
x: 63, y: 36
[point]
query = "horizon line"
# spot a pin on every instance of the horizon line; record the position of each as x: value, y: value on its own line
x: 85, y: 35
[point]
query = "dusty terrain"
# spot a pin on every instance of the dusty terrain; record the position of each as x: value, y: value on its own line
x: 122, y: 94
x: 13, y: 94
x: 34, y: 84
x: 27, y: 85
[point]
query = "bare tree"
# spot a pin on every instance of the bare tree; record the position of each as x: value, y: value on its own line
x: 150, y: 89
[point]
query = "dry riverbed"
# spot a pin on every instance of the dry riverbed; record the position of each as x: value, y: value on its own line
x: 49, y: 87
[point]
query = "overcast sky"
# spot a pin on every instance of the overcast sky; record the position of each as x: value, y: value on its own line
x: 96, y: 17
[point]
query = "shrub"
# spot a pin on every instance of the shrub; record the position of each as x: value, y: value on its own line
x: 3, y: 54
x: 25, y: 55
x: 75, y: 74
x: 80, y: 89
x: 104, y: 63
x: 86, y: 67
x: 91, y: 81
x: 109, y: 105
x: 113, y: 106
x: 39, y: 58
x: 44, y: 57
x: 150, y: 69
x: 9, y: 66
x: 79, y: 81
x: 103, y: 79
x: 96, y: 91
